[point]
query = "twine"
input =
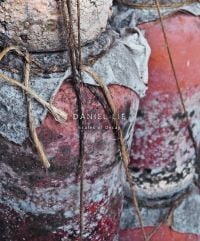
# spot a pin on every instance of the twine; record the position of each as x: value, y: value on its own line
x: 58, y: 114
x: 153, y: 5
x: 123, y: 148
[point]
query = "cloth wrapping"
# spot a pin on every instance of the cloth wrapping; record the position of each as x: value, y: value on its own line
x: 126, y: 63
x: 124, y: 16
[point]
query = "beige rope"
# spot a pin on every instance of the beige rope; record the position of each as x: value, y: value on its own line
x: 123, y: 149
x: 58, y: 114
x: 12, y: 48
x: 37, y: 143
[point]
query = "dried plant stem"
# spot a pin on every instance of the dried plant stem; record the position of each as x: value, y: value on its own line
x: 123, y: 149
x: 37, y: 143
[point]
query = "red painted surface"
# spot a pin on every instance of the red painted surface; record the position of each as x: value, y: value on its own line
x: 45, y: 206
x: 161, y: 141
x: 183, y: 35
x: 163, y: 234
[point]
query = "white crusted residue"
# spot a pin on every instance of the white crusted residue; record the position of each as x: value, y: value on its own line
x: 170, y: 156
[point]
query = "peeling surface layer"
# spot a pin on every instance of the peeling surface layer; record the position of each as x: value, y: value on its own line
x: 130, y: 50
x: 163, y: 155
x: 45, y: 206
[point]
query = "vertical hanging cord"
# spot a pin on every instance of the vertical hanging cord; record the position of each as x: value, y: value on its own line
x: 75, y: 58
x: 176, y: 79
x: 120, y: 141
x: 81, y: 163
x: 76, y: 65
x: 71, y: 39
x: 79, y: 35
x: 31, y: 122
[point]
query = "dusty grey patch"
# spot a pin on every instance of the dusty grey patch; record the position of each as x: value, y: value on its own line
x: 126, y: 63
x: 124, y: 16
x: 150, y: 216
x: 186, y: 217
x: 13, y: 107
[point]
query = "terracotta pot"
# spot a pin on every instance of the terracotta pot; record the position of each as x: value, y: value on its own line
x: 41, y: 206
x: 164, y: 233
x: 163, y: 155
